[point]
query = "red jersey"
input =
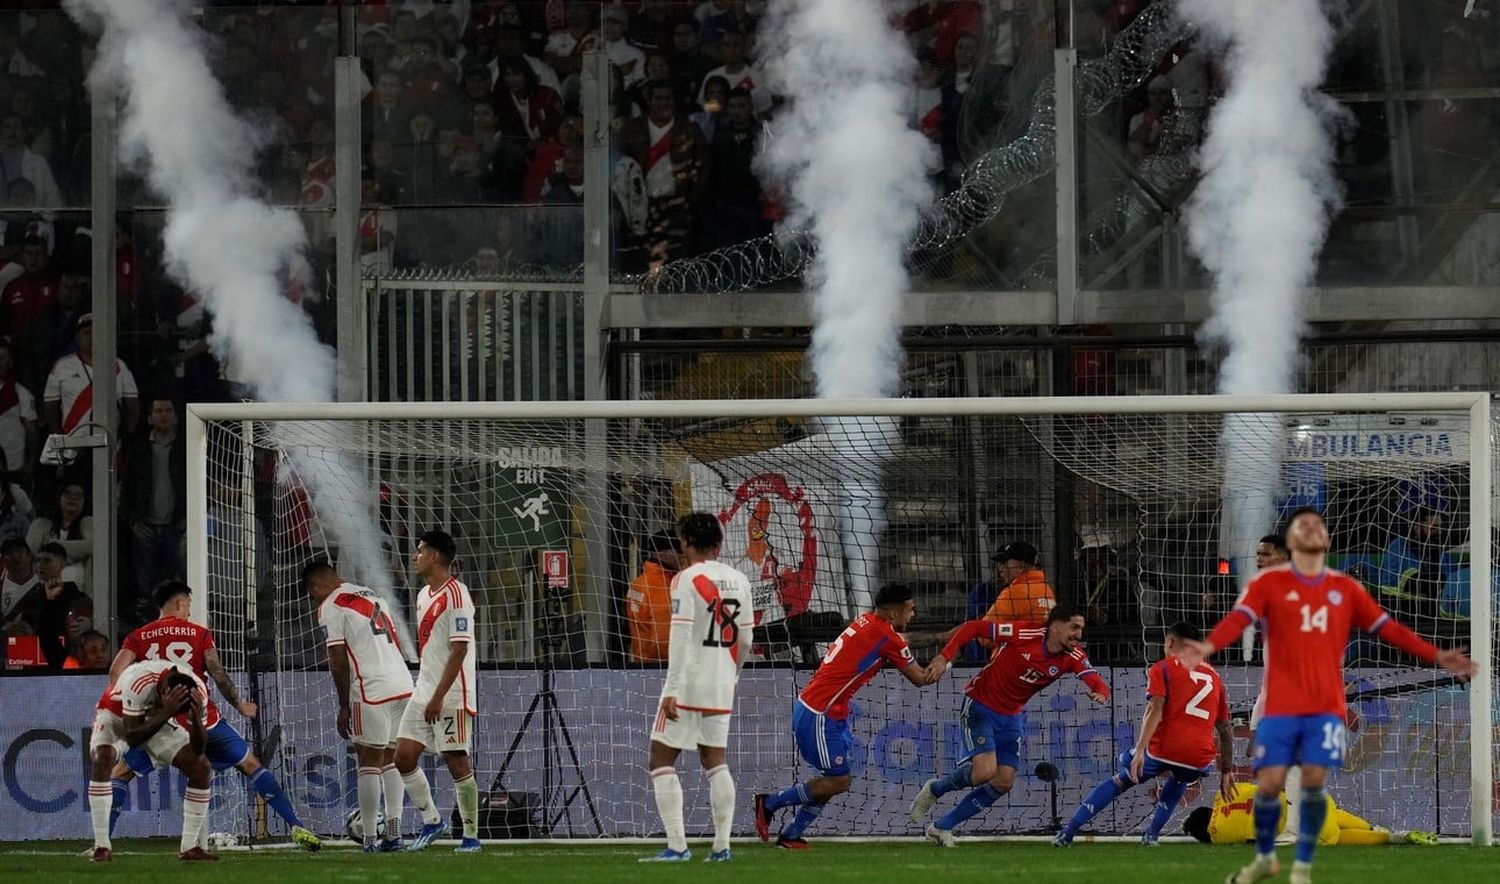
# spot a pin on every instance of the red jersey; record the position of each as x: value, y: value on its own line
x: 1194, y: 702
x: 113, y: 699
x: 1306, y: 621
x: 177, y: 641
x: 852, y: 660
x: 1020, y: 665
x: 29, y: 297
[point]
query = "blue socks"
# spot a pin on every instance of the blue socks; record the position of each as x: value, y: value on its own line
x: 1314, y: 814
x: 805, y: 815
x: 270, y: 790
x: 1098, y: 799
x: 117, y: 803
x: 1267, y: 810
x: 958, y: 778
x: 1166, y: 802
x: 971, y: 806
x: 788, y: 798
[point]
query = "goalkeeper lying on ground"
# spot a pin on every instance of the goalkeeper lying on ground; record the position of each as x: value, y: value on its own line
x: 1232, y: 823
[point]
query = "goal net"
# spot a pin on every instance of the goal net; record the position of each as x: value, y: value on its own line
x: 1144, y: 512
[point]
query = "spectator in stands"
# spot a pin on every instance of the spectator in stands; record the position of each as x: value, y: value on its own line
x: 670, y: 150
x: 17, y: 160
x: 690, y: 66
x: 25, y: 305
x: 70, y: 526
x: 528, y: 111
x: 566, y: 46
x: 91, y: 651
x: 395, y: 185
x: 508, y: 45
x: 565, y: 186
x: 486, y: 129
x: 715, y: 97
x: 424, y: 161
x: 633, y: 100
x: 628, y: 59
x: 377, y: 226
x: 733, y: 191
x: 68, y: 398
x: 738, y: 71
x: 14, y: 520
x: 547, y: 159
x: 13, y: 62
x: 18, y: 421
x: 20, y: 575
x: 385, y: 118
x: 55, y: 608
x: 648, y: 604
x: 1146, y: 127
x: 153, y: 497
x: 1105, y: 594
x: 1025, y: 594
x: 651, y: 28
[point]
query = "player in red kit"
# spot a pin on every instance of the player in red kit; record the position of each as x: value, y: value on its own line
x: 176, y: 639
x: 820, y: 716
x: 1306, y: 612
x: 1027, y: 658
x: 1186, y: 727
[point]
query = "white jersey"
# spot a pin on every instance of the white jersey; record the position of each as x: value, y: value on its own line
x: 353, y: 618
x: 136, y: 691
x: 445, y: 614
x: 712, y: 617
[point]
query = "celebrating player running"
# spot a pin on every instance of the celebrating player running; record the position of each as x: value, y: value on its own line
x: 1307, y: 611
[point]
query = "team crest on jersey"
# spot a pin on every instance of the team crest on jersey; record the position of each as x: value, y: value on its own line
x: 461, y: 624
x: 1335, y: 597
x: 1052, y: 670
x: 1294, y: 596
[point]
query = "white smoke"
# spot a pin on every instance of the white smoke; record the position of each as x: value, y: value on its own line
x: 222, y: 242
x: 855, y: 173
x: 1258, y: 220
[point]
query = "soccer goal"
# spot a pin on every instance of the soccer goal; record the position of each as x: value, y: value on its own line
x: 1145, y: 511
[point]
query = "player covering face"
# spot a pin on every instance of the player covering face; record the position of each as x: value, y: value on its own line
x: 820, y: 716
x: 1306, y: 612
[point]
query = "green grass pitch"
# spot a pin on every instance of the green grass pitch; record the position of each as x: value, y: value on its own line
x: 1022, y: 863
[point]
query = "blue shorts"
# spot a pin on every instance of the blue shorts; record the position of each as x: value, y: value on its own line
x: 986, y: 730
x: 225, y: 749
x: 1284, y: 740
x: 822, y: 742
x: 1155, y: 767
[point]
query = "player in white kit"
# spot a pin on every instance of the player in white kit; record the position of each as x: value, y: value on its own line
x: 439, y: 717
x: 158, y: 705
x: 360, y: 635
x: 713, y: 616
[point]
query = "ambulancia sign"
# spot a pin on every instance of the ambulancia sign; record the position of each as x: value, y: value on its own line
x: 1442, y: 441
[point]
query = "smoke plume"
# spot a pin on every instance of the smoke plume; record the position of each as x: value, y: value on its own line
x: 224, y: 243
x: 1258, y: 220
x: 855, y: 173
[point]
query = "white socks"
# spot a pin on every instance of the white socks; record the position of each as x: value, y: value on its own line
x: 194, y: 817
x: 395, y: 797
x: 1293, y: 800
x: 421, y: 795
x: 101, y: 796
x: 369, y: 801
x: 668, y: 789
x: 721, y: 800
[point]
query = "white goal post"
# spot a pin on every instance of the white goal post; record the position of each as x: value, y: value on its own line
x: 259, y: 473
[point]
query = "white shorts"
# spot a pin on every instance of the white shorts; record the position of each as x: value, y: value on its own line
x: 691, y: 730
x: 109, y: 730
x: 450, y: 733
x: 375, y: 724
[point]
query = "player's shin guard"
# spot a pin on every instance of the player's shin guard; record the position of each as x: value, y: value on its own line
x: 368, y: 789
x: 1267, y: 812
x: 1098, y: 799
x: 791, y: 797
x: 721, y: 801
x: 804, y: 818
x: 1166, y: 802
x: 668, y: 789
x: 120, y: 790
x: 421, y: 795
x: 395, y: 797
x: 194, y: 817
x: 972, y: 805
x: 958, y: 778
x: 276, y: 799
x: 1314, y: 814
x: 100, y: 799
x: 467, y: 793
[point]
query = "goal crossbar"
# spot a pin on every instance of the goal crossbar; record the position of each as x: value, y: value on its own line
x: 1477, y: 405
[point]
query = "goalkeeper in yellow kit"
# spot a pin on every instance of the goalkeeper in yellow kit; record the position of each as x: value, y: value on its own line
x: 1231, y: 822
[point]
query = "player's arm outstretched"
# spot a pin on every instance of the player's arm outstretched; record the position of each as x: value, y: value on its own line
x: 962, y: 635
x: 679, y: 645
x: 226, y: 687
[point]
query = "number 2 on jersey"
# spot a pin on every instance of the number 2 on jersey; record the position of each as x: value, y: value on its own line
x: 1192, y: 707
x: 723, y: 625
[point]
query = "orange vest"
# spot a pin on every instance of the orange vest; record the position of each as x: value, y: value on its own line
x: 1028, y: 597
x: 648, y: 607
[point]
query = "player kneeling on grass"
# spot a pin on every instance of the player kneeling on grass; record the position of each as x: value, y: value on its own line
x: 1232, y: 821
x: 1026, y: 659
x: 158, y: 707
x: 359, y: 631
x: 713, y: 616
x: 439, y: 717
x: 1186, y: 725
x: 820, y: 716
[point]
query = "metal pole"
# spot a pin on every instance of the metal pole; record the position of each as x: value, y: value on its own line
x: 1064, y: 64
x: 1481, y: 619
x: 197, y: 513
x: 597, y: 255
x: 349, y: 299
x: 102, y: 198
